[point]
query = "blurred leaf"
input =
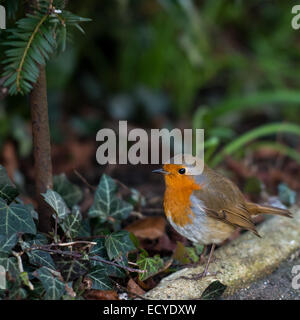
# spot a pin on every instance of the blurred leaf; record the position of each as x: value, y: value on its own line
x: 8, y: 191
x: 67, y: 190
x: 148, y: 228
x: 57, y: 203
x: 185, y: 255
x: 240, y: 142
x: 15, y: 218
x: 253, y: 186
x: 286, y: 195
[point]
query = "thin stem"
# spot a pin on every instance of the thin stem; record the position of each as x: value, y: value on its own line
x: 79, y: 255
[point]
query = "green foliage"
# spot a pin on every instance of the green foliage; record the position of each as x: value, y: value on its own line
x: 106, y: 204
x: 150, y: 264
x: 40, y: 267
x: 7, y: 190
x: 69, y: 192
x: 32, y: 42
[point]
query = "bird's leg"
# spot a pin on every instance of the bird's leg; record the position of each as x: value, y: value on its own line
x: 204, y: 273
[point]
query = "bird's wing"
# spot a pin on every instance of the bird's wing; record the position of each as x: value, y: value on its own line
x: 223, y: 201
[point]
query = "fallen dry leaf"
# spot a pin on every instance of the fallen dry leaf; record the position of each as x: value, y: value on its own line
x: 102, y: 295
x: 148, y: 228
x: 133, y: 287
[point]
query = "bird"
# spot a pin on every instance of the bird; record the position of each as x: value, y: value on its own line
x: 206, y: 207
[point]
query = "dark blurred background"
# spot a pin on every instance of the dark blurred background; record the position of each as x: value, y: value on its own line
x: 226, y: 66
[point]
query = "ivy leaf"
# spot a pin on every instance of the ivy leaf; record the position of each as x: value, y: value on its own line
x: 84, y: 229
x: 40, y: 258
x: 150, y: 265
x: 213, y: 291
x: 100, y: 250
x: 100, y: 279
x: 57, y: 203
x: 72, y: 269
x: 106, y: 203
x: 7, y: 243
x: 68, y: 191
x: 54, y: 287
x: 15, y: 218
x: 9, y: 263
x: 118, y: 243
x: 72, y: 223
x: 8, y: 191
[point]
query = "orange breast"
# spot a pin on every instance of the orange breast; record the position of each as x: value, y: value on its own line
x: 177, y: 203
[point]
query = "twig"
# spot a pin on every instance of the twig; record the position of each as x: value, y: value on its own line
x: 84, y: 180
x: 67, y: 244
x: 79, y: 255
x: 20, y: 266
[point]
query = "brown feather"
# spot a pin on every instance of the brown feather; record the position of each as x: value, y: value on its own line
x: 254, y: 209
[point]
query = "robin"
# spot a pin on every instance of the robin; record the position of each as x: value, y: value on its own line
x: 207, y: 208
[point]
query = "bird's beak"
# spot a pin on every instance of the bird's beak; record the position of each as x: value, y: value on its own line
x: 160, y: 171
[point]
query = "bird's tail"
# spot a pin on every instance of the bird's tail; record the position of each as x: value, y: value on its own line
x: 254, y: 209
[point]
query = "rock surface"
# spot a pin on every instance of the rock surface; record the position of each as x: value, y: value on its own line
x: 239, y: 263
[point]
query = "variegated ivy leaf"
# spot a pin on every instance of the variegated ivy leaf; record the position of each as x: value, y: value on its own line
x: 8, y: 191
x: 57, y: 203
x: 151, y: 265
x: 15, y: 218
x: 54, y: 287
x: 40, y: 258
x: 72, y: 223
x: 9, y: 263
x: 68, y: 191
x: 100, y: 280
x: 118, y: 243
x: 107, y: 204
x: 7, y: 243
x: 72, y: 269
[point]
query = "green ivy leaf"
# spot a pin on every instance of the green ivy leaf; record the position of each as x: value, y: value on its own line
x: 118, y: 243
x: 72, y: 223
x: 8, y: 191
x: 41, y: 259
x: 107, y: 204
x: 213, y: 291
x: 57, y: 203
x: 15, y: 218
x: 99, y: 248
x: 150, y: 265
x: 84, y: 229
x: 7, y: 243
x: 54, y: 287
x: 10, y: 264
x: 72, y: 269
x: 68, y: 191
x: 100, y: 279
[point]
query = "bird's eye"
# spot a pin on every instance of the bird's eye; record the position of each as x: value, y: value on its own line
x: 181, y: 171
